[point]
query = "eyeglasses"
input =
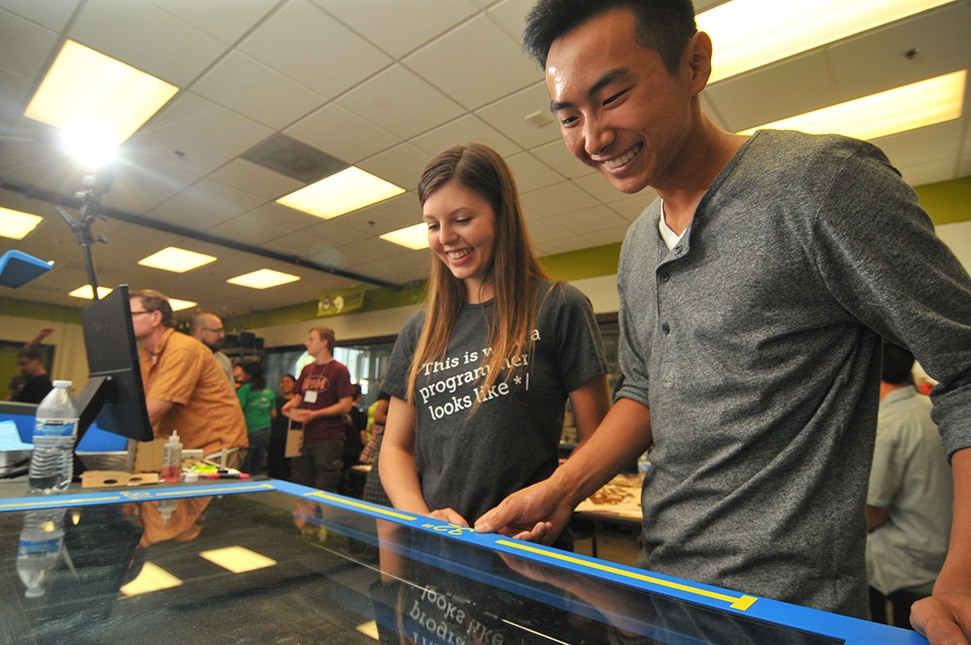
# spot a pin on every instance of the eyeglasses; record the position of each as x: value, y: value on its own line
x: 135, y: 313
x: 217, y: 330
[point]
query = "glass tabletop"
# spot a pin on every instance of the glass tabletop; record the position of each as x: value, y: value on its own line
x: 272, y: 562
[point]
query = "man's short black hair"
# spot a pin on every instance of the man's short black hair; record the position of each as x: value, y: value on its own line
x: 898, y: 365
x: 664, y: 26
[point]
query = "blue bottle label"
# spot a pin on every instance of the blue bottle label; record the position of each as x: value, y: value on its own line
x: 55, y: 428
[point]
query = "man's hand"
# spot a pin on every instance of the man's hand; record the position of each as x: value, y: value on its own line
x: 537, y: 513
x: 944, y: 618
x: 300, y: 415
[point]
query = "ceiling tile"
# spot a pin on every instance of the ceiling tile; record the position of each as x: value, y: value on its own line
x: 935, y: 143
x: 401, y: 102
x: 509, y: 115
x: 591, y: 219
x: 146, y: 40
x: 53, y: 14
x: 194, y: 117
x: 799, y: 84
x: 317, y: 49
x: 463, y: 130
x: 246, y: 175
x: 510, y: 15
x: 242, y: 84
x: 227, y: 20
x: 401, y: 165
x: 204, y: 206
x: 160, y: 151
x: 451, y: 63
x: 249, y: 229
x: 556, y: 156
x: 877, y: 60
x: 556, y: 200
x: 25, y: 48
x: 425, y: 19
x: 531, y: 173
x: 137, y: 189
x: 283, y: 217
x: 342, y: 134
x: 389, y: 215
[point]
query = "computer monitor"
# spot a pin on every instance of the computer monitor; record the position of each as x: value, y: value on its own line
x: 114, y: 394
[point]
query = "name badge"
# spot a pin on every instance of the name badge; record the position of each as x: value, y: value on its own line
x: 310, y: 396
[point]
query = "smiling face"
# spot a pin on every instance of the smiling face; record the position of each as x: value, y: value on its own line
x: 286, y: 384
x: 462, y: 233
x: 620, y: 109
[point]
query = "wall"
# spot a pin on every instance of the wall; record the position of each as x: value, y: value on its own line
x: 70, y: 359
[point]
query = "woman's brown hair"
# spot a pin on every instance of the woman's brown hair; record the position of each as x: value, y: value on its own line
x: 515, y: 272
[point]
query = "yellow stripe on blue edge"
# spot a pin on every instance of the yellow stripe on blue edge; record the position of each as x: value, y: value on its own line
x: 742, y: 603
x: 344, y: 501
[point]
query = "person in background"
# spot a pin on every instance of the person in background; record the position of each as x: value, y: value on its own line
x: 185, y: 389
x: 277, y: 464
x: 257, y: 403
x: 238, y: 375
x: 909, y: 497
x: 480, y: 377
x: 208, y: 329
x: 377, y: 416
x: 18, y: 379
x: 359, y: 416
x: 35, y: 382
x: 322, y: 397
x: 754, y: 295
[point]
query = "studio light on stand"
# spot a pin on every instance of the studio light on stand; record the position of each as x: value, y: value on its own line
x: 95, y: 157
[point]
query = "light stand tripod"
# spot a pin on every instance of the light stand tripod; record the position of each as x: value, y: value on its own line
x: 90, y: 198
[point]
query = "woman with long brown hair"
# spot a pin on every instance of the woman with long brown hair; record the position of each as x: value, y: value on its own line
x: 479, y: 378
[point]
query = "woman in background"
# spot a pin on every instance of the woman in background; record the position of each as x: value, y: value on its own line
x: 277, y: 465
x: 479, y: 378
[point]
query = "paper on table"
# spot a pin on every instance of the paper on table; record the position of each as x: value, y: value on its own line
x: 10, y: 438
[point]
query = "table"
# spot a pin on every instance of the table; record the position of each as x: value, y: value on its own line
x: 269, y: 561
x: 618, y: 502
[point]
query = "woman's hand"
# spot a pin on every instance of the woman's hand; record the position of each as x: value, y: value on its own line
x: 448, y: 515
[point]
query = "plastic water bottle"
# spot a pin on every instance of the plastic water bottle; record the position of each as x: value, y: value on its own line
x: 41, y: 543
x: 644, y: 463
x: 56, y: 429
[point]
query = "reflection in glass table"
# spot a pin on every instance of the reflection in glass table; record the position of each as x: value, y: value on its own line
x: 268, y: 561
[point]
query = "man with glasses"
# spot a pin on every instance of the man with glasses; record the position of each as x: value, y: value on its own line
x: 208, y: 329
x: 185, y: 389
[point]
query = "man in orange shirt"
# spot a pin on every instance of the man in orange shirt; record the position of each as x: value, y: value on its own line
x: 185, y: 389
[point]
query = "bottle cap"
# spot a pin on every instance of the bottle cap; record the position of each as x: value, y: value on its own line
x: 62, y: 383
x: 175, y: 437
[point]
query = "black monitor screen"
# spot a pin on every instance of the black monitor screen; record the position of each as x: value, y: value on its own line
x: 114, y: 394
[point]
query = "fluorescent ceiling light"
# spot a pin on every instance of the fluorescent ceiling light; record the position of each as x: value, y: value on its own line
x: 263, y: 279
x: 179, y: 305
x: 17, y: 224
x: 413, y: 237
x: 151, y: 578
x: 909, y: 107
x: 176, y: 260
x: 86, y: 293
x: 752, y: 33
x: 340, y: 193
x: 237, y: 559
x: 87, y: 91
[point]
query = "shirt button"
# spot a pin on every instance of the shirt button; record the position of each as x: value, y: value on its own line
x: 666, y: 328
x: 664, y: 276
